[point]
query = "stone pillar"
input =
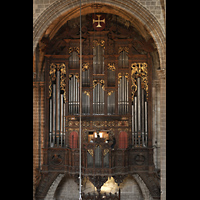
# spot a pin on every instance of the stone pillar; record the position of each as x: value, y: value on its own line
x: 162, y: 78
x: 156, y: 122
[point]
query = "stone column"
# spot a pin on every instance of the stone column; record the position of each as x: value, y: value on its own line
x: 162, y: 78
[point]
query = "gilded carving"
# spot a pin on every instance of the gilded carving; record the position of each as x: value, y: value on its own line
x: 122, y: 123
x: 85, y: 66
x: 99, y: 43
x: 85, y: 123
x: 52, y: 77
x: 123, y: 49
x: 87, y: 93
x: 111, y: 123
x: 101, y: 82
x: 71, y: 49
x: 90, y: 151
x: 63, y: 79
x: 111, y: 66
x: 139, y: 70
x: 76, y: 75
x: 110, y: 92
x: 122, y: 74
x: 105, y: 151
x: 98, y: 123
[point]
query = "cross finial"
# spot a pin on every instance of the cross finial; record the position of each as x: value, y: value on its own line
x: 98, y: 21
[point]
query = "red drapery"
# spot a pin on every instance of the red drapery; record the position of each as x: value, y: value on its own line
x: 123, y: 140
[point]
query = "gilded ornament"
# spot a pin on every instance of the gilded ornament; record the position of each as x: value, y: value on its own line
x: 123, y: 49
x: 111, y: 66
x: 101, y: 82
x: 76, y: 76
x: 110, y: 92
x: 90, y: 151
x: 139, y: 70
x: 99, y: 43
x: 85, y: 66
x: 122, y: 74
x: 52, y: 77
x: 105, y: 151
x: 87, y: 93
x: 71, y: 49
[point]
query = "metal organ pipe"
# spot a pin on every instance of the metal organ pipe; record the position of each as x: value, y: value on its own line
x: 146, y: 124
x: 126, y: 96
x: 50, y: 121
x: 139, y: 117
x: 64, y: 126
x: 135, y: 102
x: 57, y: 115
x: 58, y: 107
x: 61, y: 121
x: 133, y: 119
x: 139, y: 108
x: 54, y: 113
x: 143, y: 144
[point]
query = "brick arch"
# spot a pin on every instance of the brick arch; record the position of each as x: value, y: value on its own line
x: 131, y: 7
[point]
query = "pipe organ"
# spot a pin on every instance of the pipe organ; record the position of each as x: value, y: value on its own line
x: 116, y: 74
x: 57, y: 101
x: 112, y: 86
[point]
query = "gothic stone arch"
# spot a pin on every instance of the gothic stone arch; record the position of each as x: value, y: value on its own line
x: 146, y: 182
x: 132, y: 8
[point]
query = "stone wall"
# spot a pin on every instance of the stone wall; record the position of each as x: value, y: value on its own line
x: 154, y: 6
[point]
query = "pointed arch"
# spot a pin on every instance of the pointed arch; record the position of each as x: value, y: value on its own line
x: 55, y: 12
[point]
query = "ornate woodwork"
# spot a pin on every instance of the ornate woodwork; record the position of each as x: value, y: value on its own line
x: 115, y: 37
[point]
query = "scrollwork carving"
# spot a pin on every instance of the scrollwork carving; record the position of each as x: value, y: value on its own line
x: 139, y: 70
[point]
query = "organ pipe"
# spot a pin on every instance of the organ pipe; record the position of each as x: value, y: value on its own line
x: 54, y: 113
x: 57, y: 115
x: 139, y: 105
x: 50, y: 121
x: 146, y: 123
x: 135, y: 102
x: 143, y: 118
x: 64, y: 126
x: 73, y: 95
x: 58, y: 107
x: 133, y: 119
x: 139, y: 117
x: 123, y: 96
x: 61, y: 122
